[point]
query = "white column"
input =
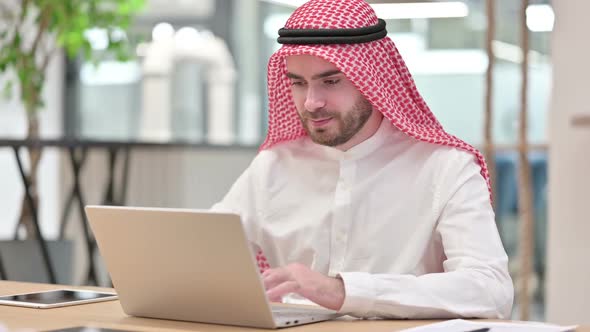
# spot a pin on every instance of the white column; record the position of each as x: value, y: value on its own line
x: 568, y: 270
x: 156, y: 104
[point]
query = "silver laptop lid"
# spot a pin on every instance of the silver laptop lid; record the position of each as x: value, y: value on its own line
x: 181, y: 264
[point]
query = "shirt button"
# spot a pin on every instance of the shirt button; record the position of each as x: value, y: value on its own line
x: 341, y: 237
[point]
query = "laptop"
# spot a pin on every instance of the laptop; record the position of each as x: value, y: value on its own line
x: 189, y: 265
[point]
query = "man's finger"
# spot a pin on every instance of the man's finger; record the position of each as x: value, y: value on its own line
x: 275, y: 277
x: 269, y: 272
x: 275, y: 294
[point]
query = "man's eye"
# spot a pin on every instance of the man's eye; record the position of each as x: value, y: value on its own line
x: 296, y: 83
x: 332, y: 82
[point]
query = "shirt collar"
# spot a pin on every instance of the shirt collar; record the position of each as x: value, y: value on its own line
x: 362, y: 149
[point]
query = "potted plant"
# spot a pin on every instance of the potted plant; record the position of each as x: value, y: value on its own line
x: 32, y: 32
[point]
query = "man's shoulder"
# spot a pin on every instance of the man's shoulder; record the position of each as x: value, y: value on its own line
x: 431, y: 152
x: 426, y: 160
x: 297, y: 148
x: 453, y: 154
x: 453, y: 159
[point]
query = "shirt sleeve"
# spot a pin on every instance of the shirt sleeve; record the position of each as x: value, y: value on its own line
x: 475, y: 281
x: 241, y: 200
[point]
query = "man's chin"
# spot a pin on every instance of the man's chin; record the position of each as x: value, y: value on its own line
x: 327, y: 141
x: 323, y: 136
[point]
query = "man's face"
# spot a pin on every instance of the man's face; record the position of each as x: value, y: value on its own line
x: 330, y: 107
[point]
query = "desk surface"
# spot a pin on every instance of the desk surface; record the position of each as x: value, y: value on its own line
x: 110, y: 315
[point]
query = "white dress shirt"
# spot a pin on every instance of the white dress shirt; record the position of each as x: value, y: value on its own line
x: 406, y: 224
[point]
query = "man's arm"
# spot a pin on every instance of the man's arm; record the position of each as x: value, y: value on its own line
x: 240, y: 198
x: 475, y: 281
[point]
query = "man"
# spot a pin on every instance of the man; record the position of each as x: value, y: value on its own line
x: 360, y: 200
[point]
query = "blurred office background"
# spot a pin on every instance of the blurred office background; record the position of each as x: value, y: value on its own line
x: 199, y: 77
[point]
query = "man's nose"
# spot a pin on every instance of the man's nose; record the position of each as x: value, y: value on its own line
x: 314, y: 100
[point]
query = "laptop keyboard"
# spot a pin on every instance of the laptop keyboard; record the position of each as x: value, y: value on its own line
x: 285, y: 312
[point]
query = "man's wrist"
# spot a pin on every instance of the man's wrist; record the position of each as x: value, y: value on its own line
x: 338, y: 292
x: 360, y: 291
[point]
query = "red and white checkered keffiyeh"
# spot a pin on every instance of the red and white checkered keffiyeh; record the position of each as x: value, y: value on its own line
x: 376, y: 68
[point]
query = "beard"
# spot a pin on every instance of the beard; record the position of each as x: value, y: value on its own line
x: 346, y: 123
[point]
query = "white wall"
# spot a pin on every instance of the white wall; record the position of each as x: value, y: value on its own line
x: 568, y: 271
x: 457, y: 102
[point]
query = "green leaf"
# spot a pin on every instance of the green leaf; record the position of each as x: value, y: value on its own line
x: 124, y: 8
x: 84, y: 22
x: 7, y: 90
x: 87, y: 50
x: 68, y: 20
x: 5, y: 61
x: 16, y: 41
x: 136, y: 5
x: 61, y: 40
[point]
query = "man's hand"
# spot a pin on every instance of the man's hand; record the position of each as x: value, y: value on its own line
x: 298, y: 278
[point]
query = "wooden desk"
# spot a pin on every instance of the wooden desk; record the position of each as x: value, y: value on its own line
x: 110, y: 315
